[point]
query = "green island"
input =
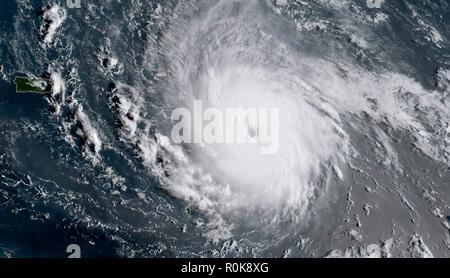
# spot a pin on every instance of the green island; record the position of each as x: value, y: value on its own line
x: 30, y: 85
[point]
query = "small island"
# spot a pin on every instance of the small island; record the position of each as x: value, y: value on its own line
x: 30, y: 85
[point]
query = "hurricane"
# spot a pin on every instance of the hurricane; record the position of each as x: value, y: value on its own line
x: 237, y: 54
x: 344, y: 147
